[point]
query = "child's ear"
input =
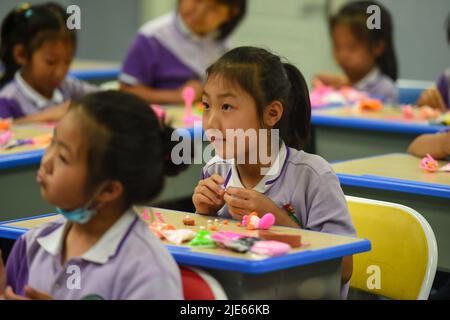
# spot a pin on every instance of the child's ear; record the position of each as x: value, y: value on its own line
x: 20, y: 55
x: 273, y: 113
x: 378, y: 48
x: 111, y: 191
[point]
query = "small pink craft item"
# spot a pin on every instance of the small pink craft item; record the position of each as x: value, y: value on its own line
x: 407, y: 112
x: 188, y: 95
x: 224, y: 236
x: 446, y: 168
x: 253, y: 222
x: 429, y: 164
x: 270, y: 248
x: 5, y: 137
x: 146, y: 215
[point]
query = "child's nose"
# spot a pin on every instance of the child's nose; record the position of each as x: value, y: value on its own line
x: 47, y: 160
x: 212, y: 120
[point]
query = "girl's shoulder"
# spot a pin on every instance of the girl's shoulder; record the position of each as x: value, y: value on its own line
x: 300, y: 160
x: 159, y: 24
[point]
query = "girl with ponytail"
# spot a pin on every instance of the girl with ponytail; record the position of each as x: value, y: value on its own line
x: 253, y: 96
x: 365, y: 52
x: 36, y: 51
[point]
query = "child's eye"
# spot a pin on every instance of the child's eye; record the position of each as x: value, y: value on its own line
x: 205, y: 105
x: 63, y: 159
x: 226, y: 107
x: 51, y: 62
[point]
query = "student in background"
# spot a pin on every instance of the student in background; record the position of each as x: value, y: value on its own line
x: 252, y: 89
x: 366, y: 56
x: 438, y: 97
x: 94, y: 183
x: 173, y: 51
x: 436, y: 145
x: 36, y: 50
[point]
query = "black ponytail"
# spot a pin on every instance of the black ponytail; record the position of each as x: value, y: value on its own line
x: 30, y: 26
x: 296, y: 120
x: 355, y: 15
x: 264, y: 76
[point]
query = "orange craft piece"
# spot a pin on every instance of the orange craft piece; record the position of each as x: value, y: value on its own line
x: 370, y: 105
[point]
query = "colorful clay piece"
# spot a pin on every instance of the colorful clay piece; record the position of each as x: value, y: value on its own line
x: 407, y: 112
x: 202, y: 240
x: 158, y: 227
x: 5, y: 137
x: 429, y: 164
x: 146, y: 215
x: 160, y: 113
x: 446, y: 168
x: 241, y: 245
x: 294, y: 240
x: 188, y: 221
x: 370, y: 105
x: 428, y: 113
x: 178, y: 236
x: 223, y: 236
x: 270, y: 248
x: 253, y: 222
x: 5, y: 124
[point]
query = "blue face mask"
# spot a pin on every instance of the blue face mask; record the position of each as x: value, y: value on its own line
x: 80, y: 215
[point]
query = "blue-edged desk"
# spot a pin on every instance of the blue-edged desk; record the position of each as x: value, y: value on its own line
x: 309, y: 272
x: 342, y: 133
x: 398, y: 178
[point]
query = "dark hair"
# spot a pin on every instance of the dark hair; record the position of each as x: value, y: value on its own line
x: 355, y: 15
x: 228, y: 27
x: 31, y: 26
x: 266, y: 78
x: 127, y: 144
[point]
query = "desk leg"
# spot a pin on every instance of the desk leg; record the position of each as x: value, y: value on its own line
x: 317, y: 281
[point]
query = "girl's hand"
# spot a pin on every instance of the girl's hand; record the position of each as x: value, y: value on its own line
x: 208, y: 195
x: 243, y: 201
x: 30, y: 294
x: 432, y: 97
x: 2, y: 276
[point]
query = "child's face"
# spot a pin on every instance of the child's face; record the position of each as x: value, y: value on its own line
x: 354, y: 56
x: 204, y: 16
x: 62, y: 175
x: 48, y: 66
x: 228, y: 107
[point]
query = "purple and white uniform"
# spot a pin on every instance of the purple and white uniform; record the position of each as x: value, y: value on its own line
x: 127, y: 262
x: 165, y: 54
x: 378, y: 85
x: 19, y: 99
x: 305, y: 181
x: 443, y: 85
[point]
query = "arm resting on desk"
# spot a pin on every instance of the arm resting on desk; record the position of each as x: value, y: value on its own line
x: 49, y: 115
x: 437, y: 145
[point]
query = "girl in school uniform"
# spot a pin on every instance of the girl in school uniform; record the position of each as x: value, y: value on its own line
x: 366, y: 56
x: 100, y: 249
x: 174, y: 50
x: 251, y: 89
x: 36, y: 50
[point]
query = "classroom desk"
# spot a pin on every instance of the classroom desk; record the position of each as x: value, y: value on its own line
x: 309, y: 272
x: 94, y: 71
x: 398, y: 178
x: 342, y: 133
x: 20, y: 195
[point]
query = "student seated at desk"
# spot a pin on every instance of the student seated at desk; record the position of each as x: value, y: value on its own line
x: 438, y: 97
x: 173, y: 51
x: 36, y: 50
x: 252, y: 89
x: 366, y: 56
x: 94, y: 182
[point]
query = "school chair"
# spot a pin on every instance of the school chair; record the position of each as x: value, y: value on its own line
x: 403, y: 260
x: 200, y: 285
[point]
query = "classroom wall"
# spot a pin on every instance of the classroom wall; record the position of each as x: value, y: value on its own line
x: 296, y: 30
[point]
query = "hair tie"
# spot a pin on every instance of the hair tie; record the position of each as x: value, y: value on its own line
x: 28, y: 13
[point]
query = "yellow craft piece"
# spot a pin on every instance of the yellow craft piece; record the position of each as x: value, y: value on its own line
x: 399, y: 250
